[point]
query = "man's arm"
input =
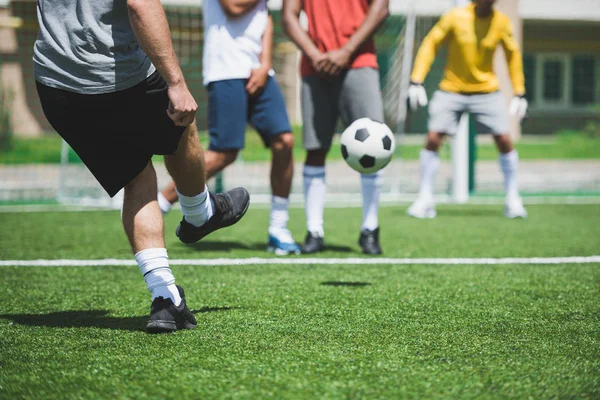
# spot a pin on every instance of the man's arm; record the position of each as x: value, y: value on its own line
x: 377, y: 14
x: 514, y: 58
x: 237, y: 8
x: 336, y: 61
x: 429, y: 48
x: 151, y: 29
x: 258, y: 77
x: 290, y: 23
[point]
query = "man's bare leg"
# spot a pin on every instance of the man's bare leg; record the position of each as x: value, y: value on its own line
x: 281, y: 241
x: 143, y: 225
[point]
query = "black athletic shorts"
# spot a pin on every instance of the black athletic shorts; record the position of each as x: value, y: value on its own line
x: 114, y: 134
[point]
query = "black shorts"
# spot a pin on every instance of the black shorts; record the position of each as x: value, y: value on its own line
x: 114, y: 134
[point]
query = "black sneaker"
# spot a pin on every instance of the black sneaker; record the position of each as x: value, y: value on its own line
x: 165, y: 317
x: 312, y: 244
x: 369, y: 241
x: 229, y: 208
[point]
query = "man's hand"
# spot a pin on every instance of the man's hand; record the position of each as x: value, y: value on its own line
x: 182, y: 106
x: 518, y: 106
x: 257, y: 81
x: 334, y: 62
x: 417, y: 96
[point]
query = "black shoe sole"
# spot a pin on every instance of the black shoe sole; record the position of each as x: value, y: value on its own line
x: 318, y: 250
x: 167, y: 326
x: 372, y: 253
x: 195, y: 239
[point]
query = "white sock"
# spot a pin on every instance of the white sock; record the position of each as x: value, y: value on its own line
x: 371, y: 189
x: 509, y: 164
x: 196, y: 209
x: 279, y: 215
x: 314, y: 197
x: 430, y: 162
x: 164, y: 204
x: 154, y: 266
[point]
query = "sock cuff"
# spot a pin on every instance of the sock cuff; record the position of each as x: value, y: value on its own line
x: 196, y: 200
x: 512, y: 155
x: 279, y: 201
x: 151, y: 259
x: 163, y: 203
x: 429, y: 154
x: 314, y: 171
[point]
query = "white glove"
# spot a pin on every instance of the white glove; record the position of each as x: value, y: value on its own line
x: 518, y: 107
x: 417, y: 96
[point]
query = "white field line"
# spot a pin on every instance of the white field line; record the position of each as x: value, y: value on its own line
x: 310, y: 261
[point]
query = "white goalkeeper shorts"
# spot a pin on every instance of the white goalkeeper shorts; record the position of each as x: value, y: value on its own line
x: 489, y: 111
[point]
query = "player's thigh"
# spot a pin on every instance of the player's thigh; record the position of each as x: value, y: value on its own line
x: 360, y: 96
x: 267, y: 112
x: 490, y: 113
x: 227, y: 114
x: 91, y: 125
x: 445, y: 110
x: 319, y: 112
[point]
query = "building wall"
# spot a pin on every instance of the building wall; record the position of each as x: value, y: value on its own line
x: 561, y: 43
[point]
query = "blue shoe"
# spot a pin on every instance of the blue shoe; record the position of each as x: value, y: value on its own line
x: 283, y: 244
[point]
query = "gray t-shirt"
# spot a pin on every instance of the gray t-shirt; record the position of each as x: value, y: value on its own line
x: 88, y: 46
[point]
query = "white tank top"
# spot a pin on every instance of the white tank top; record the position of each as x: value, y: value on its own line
x: 232, y: 46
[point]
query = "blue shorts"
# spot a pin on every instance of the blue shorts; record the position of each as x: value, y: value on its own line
x: 230, y: 108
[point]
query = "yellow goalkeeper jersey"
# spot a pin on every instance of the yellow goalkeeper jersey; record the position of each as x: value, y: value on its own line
x: 472, y: 42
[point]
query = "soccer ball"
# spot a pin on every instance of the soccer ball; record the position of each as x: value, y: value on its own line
x: 367, y: 146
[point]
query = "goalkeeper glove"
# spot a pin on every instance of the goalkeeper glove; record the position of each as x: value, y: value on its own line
x: 417, y: 96
x: 518, y: 107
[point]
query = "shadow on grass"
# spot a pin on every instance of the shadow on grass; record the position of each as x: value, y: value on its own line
x: 91, y: 319
x: 351, y: 284
x: 226, y: 246
x: 260, y: 246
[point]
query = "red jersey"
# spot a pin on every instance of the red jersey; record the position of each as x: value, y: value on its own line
x: 331, y: 23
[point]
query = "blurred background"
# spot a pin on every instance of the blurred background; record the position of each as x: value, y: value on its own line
x: 559, y: 143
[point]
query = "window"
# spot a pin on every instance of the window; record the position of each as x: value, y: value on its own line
x: 562, y: 81
x: 584, y: 80
x: 553, y: 80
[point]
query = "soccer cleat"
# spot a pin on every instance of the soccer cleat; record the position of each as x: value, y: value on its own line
x: 282, y: 244
x: 422, y: 209
x: 369, y: 241
x: 166, y: 317
x: 312, y: 244
x: 229, y: 208
x: 514, y: 208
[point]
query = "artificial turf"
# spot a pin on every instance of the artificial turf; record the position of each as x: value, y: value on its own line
x: 318, y: 331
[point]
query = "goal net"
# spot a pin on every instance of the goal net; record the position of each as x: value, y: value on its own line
x: 37, y: 167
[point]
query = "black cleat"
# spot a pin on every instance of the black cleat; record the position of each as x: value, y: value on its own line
x: 312, y: 244
x: 165, y: 317
x: 369, y: 241
x: 230, y: 207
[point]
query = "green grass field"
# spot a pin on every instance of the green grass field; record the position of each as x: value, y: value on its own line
x: 565, y: 145
x: 309, y: 331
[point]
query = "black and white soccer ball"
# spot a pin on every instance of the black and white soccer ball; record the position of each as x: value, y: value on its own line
x: 367, y: 145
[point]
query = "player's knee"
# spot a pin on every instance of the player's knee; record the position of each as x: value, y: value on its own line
x: 504, y: 143
x: 283, y: 143
x: 226, y: 158
x: 434, y: 140
x: 316, y: 157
